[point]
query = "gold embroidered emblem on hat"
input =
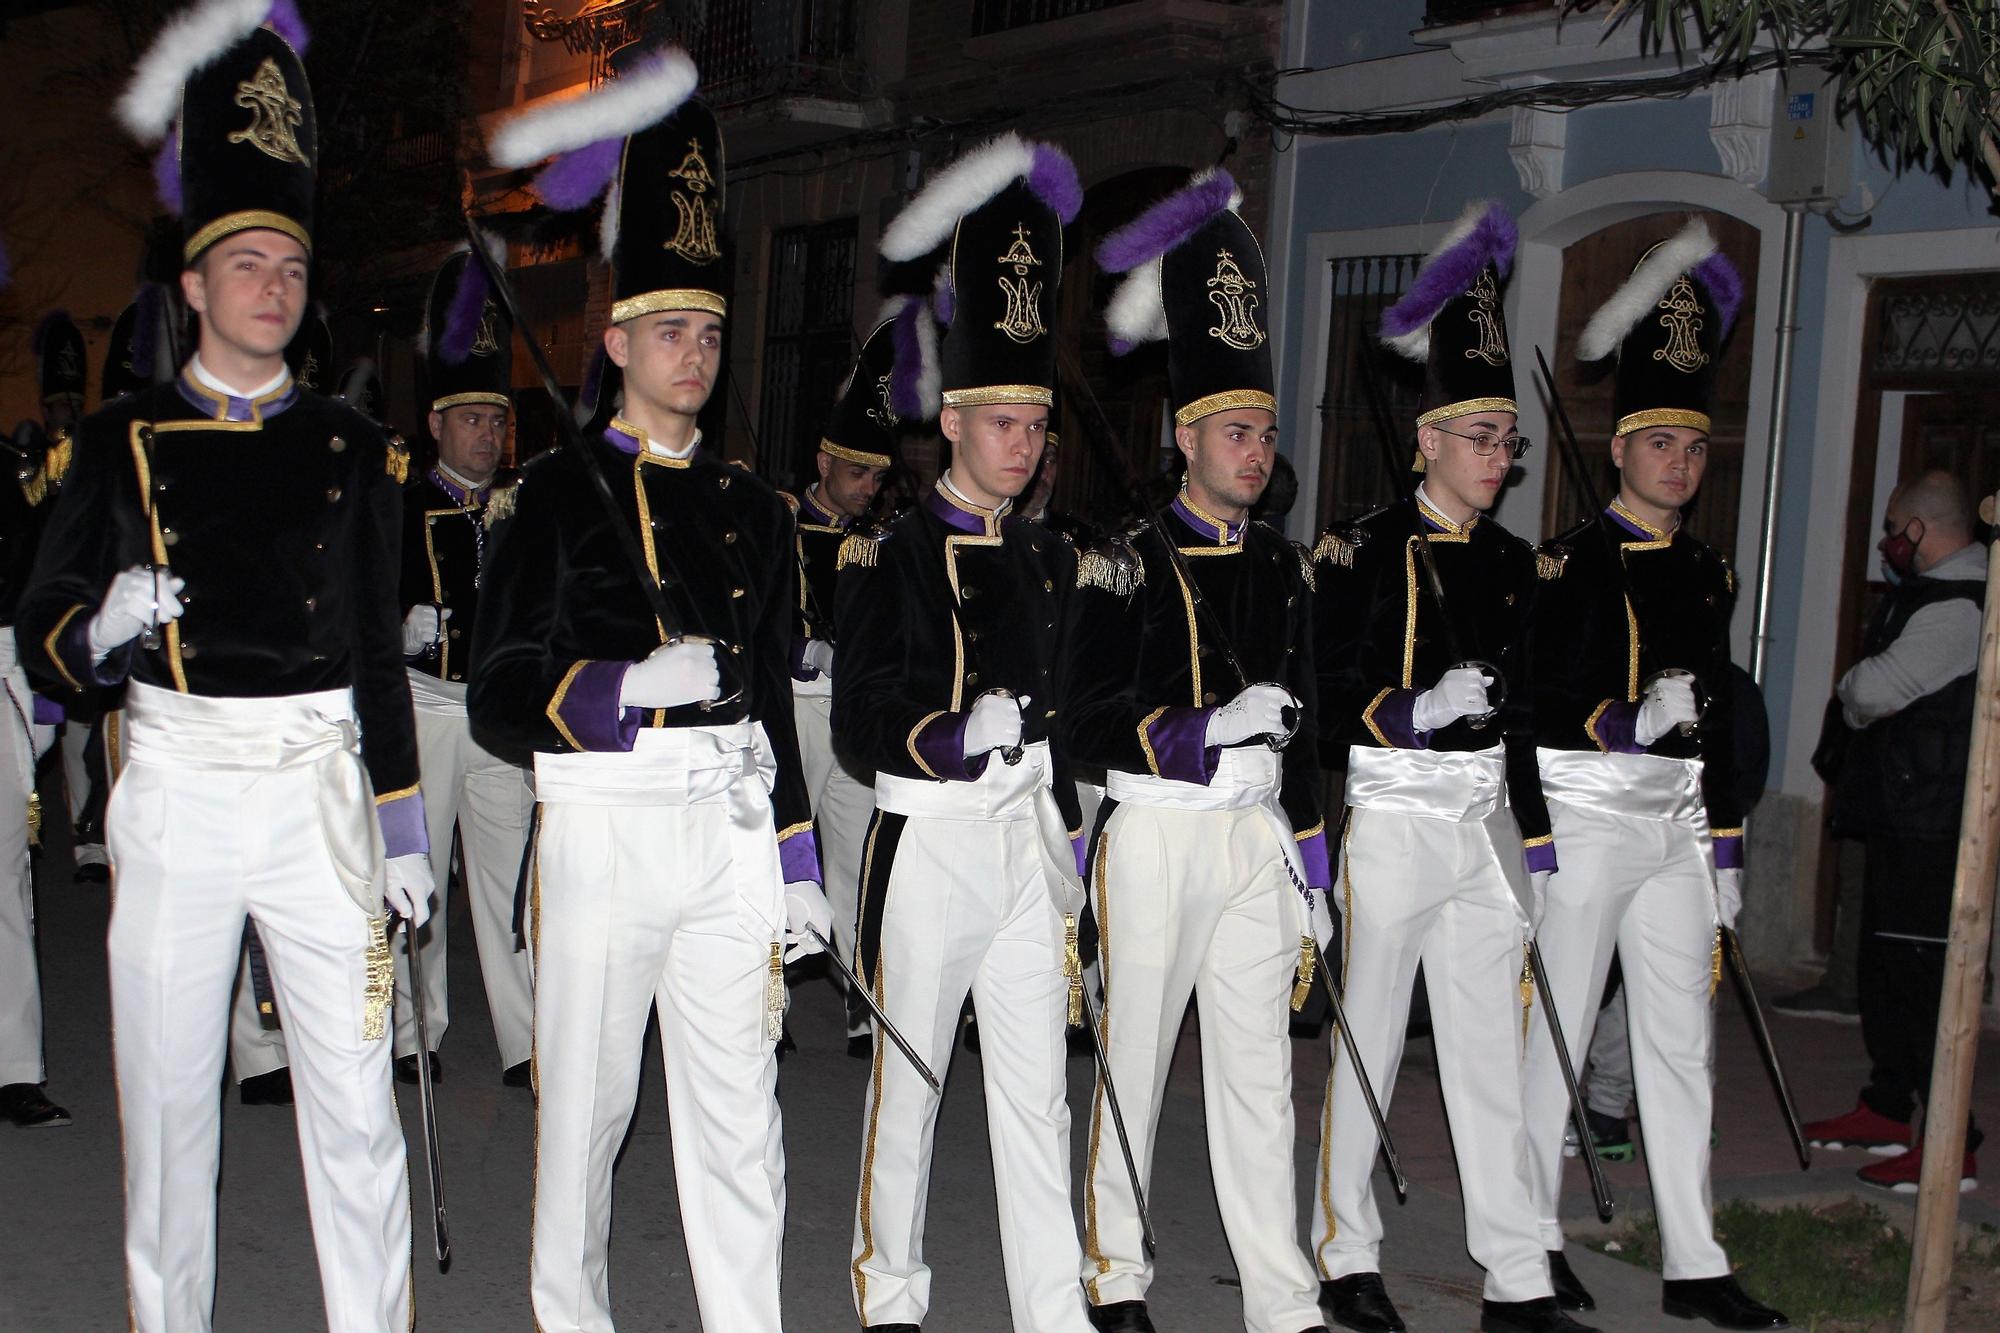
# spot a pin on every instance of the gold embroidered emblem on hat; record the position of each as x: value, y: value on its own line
x: 308, y: 375
x: 487, y: 341
x: 1023, y: 323
x: 274, y: 112
x: 1235, y: 299
x: 694, y: 239
x: 1492, y: 348
x: 883, y: 414
x: 1682, y: 321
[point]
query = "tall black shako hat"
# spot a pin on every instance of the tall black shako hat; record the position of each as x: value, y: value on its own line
x: 224, y: 86
x: 140, y: 354
x: 864, y: 426
x: 466, y: 340
x: 990, y: 227
x: 1666, y: 325
x: 1451, y: 321
x: 654, y: 154
x: 1195, y: 277
x: 62, y: 371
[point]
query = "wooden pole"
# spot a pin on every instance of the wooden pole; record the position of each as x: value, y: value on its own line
x: 1936, y: 1238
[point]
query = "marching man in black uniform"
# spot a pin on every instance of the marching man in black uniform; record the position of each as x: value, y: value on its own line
x: 227, y: 545
x: 950, y: 686
x: 676, y: 864
x: 1631, y: 630
x: 444, y: 553
x: 855, y: 453
x: 1212, y: 838
x: 1447, y: 826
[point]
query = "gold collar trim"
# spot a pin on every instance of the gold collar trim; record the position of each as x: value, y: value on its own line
x: 645, y: 442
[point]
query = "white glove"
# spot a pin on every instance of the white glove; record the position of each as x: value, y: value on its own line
x: 1460, y: 692
x: 995, y: 723
x: 1322, y: 918
x: 673, y: 674
x: 819, y: 656
x: 1729, y: 895
x: 136, y: 599
x: 408, y: 890
x: 1669, y: 702
x: 1538, y: 894
x: 1258, y: 711
x: 423, y: 627
x: 805, y: 906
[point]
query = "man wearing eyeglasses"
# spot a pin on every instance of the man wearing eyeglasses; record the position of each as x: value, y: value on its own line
x: 1447, y: 843
x: 1631, y: 639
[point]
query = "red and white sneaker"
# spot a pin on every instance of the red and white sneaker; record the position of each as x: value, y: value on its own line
x: 1900, y: 1173
x: 1864, y: 1128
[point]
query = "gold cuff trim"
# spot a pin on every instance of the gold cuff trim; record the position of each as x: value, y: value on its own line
x: 1368, y: 719
x: 1725, y: 833
x: 1222, y: 402
x: 554, y: 710
x: 49, y: 646
x: 1542, y: 841
x: 911, y: 743
x: 449, y: 401
x: 399, y: 793
x: 795, y: 830
x: 248, y: 220
x: 1312, y: 832
x: 992, y: 394
x: 1590, y: 727
x: 861, y: 456
x: 1467, y: 407
x: 1662, y: 416
x: 670, y: 298
x: 1146, y: 740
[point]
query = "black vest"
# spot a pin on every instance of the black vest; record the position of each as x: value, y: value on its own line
x: 1904, y: 775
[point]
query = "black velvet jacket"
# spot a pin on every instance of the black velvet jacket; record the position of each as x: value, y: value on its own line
x: 563, y: 613
x: 1150, y: 671
x: 817, y: 547
x: 444, y: 543
x: 27, y: 495
x: 285, y: 525
x: 1378, y: 642
x: 910, y: 668
x: 1591, y: 659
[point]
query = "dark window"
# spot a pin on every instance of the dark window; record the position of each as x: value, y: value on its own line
x: 1001, y: 15
x: 1354, y: 474
x: 808, y: 342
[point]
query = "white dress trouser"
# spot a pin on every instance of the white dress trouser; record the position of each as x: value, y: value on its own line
x: 1642, y: 887
x: 20, y: 982
x: 842, y: 805
x: 968, y: 909
x: 196, y: 846
x: 1198, y: 901
x: 637, y: 908
x: 492, y: 802
x: 1422, y: 889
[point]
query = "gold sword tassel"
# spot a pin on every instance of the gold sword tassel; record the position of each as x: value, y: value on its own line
x: 774, y: 994
x: 1308, y: 960
x: 1527, y: 988
x: 1073, y: 969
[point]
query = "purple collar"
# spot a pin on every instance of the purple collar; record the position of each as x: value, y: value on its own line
x: 464, y: 497
x: 963, y: 515
x: 227, y: 407
x: 1229, y: 534
x: 1635, y: 527
x: 815, y: 514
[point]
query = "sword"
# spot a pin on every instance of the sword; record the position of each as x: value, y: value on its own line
x: 1118, y: 1123
x: 1584, y: 1144
x: 426, y: 1100
x: 1361, y: 1081
x: 854, y: 987
x: 1738, y: 968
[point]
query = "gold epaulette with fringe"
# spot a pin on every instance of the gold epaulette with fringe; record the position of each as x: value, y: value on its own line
x: 61, y: 450
x: 1305, y: 555
x: 396, y: 460
x: 1335, y: 549
x: 1111, y: 566
x: 500, y: 505
x: 1550, y: 561
x: 859, y: 548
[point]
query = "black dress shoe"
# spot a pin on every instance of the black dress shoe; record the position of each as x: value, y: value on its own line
x: 406, y: 1068
x: 1121, y: 1317
x: 516, y: 1076
x: 272, y: 1089
x: 1541, y: 1315
x: 1571, y: 1294
x: 29, y: 1107
x: 1359, y: 1301
x: 1720, y: 1301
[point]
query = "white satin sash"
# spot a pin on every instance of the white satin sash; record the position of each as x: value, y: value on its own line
x: 437, y: 696
x: 1459, y: 785
x: 316, y: 732
x: 1003, y: 793
x: 1640, y: 786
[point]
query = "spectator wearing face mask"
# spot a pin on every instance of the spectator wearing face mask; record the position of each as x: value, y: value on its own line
x: 1898, y: 786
